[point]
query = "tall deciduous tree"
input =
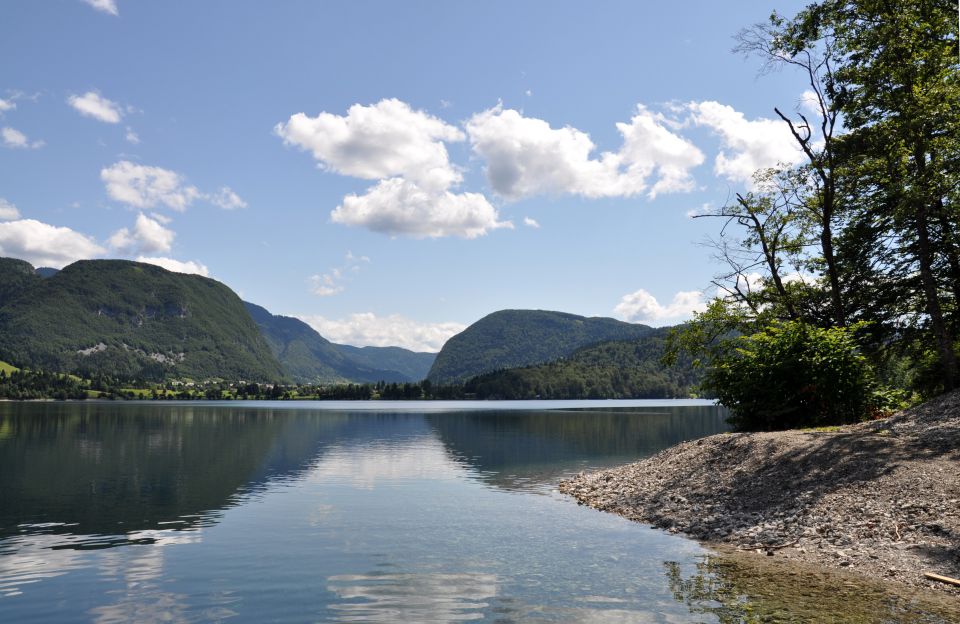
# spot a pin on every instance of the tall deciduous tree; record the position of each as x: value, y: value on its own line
x: 898, y: 87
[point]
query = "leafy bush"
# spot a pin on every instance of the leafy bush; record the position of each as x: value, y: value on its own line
x: 792, y: 374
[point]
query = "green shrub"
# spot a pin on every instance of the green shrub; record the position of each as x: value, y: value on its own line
x: 793, y: 375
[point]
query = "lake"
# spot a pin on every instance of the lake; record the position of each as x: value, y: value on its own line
x: 353, y: 512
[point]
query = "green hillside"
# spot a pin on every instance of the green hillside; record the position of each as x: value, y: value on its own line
x: 128, y: 319
x: 629, y: 369
x: 515, y: 338
x: 308, y: 357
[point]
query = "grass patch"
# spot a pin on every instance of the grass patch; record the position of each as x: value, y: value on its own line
x: 8, y: 368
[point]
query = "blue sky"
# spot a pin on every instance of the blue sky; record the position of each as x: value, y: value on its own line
x: 389, y: 171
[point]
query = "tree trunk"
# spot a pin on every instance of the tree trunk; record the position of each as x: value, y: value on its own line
x: 944, y: 340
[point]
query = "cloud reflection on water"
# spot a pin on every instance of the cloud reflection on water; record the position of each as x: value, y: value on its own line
x: 412, y: 597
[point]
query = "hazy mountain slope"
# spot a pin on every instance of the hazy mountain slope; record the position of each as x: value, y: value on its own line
x: 308, y: 357
x: 305, y: 355
x: 130, y: 319
x: 514, y: 338
x: 628, y: 369
x: 413, y: 364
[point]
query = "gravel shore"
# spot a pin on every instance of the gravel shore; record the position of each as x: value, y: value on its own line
x: 881, y: 499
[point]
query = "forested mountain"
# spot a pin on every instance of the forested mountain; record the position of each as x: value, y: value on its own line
x: 414, y: 365
x: 128, y: 319
x: 623, y: 369
x: 308, y: 357
x: 514, y: 338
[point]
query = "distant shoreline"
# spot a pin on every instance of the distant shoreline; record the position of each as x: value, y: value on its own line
x: 881, y: 499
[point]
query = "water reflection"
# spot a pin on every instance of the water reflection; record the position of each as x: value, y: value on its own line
x: 408, y: 597
x: 252, y: 513
x: 528, y: 450
x: 102, y: 470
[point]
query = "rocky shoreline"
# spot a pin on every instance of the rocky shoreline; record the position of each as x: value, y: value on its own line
x: 880, y: 499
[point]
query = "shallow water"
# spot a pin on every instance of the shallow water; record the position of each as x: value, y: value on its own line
x: 357, y: 512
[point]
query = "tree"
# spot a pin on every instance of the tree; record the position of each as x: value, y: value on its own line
x: 793, y: 374
x: 897, y: 86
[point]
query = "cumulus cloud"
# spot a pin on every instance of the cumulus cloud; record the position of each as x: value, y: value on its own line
x: 400, y: 207
x: 6, y: 105
x: 8, y: 211
x: 148, y: 236
x: 16, y: 139
x: 42, y: 244
x: 749, y: 145
x: 368, y: 329
x: 92, y: 104
x: 527, y: 221
x: 404, y: 149
x: 642, y: 307
x: 131, y: 136
x: 145, y: 187
x: 228, y: 200
x: 176, y: 266
x: 106, y: 6
x: 525, y: 156
x: 383, y: 140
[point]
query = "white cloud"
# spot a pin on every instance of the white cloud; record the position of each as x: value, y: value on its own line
x: 131, y: 136
x: 383, y: 140
x: 367, y: 329
x: 749, y: 145
x: 143, y: 187
x: 107, y: 6
x: 42, y: 244
x: 325, y: 285
x: 8, y: 211
x: 810, y: 102
x: 228, y: 200
x: 92, y: 104
x: 16, y: 139
x: 6, y: 105
x: 400, y: 207
x: 404, y: 149
x: 527, y: 221
x: 526, y: 157
x: 704, y: 209
x: 642, y: 307
x: 148, y: 236
x: 176, y: 266
x: 333, y: 281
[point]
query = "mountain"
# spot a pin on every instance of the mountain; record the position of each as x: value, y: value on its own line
x: 46, y: 271
x: 623, y: 369
x: 514, y: 338
x: 129, y: 319
x: 414, y: 365
x: 308, y: 357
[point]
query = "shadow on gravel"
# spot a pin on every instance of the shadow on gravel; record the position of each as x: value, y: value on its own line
x: 775, y: 478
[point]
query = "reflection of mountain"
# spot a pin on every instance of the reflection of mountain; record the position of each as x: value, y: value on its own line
x: 517, y: 450
x: 112, y: 470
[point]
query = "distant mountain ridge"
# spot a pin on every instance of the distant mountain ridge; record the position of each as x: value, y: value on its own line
x: 516, y: 338
x: 130, y: 319
x: 308, y: 357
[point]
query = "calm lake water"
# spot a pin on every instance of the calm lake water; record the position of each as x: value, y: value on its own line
x: 354, y: 512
